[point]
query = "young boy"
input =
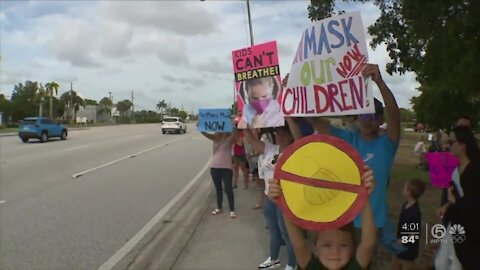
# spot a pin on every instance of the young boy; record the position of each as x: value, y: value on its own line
x: 409, y: 225
x: 261, y: 107
x: 335, y: 249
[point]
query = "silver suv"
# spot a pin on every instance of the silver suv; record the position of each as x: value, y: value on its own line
x: 172, y: 124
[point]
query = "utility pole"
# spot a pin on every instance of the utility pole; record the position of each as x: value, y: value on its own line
x: 71, y: 102
x: 111, y: 107
x: 133, y: 109
x: 250, y: 23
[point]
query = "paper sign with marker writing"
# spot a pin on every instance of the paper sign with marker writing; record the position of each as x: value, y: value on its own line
x: 441, y: 166
x: 321, y: 183
x: 326, y: 74
x: 258, y: 85
x: 214, y: 120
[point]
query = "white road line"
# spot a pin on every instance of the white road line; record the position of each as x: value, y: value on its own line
x: 128, y: 156
x: 2, y: 202
x: 76, y: 148
x: 122, y: 252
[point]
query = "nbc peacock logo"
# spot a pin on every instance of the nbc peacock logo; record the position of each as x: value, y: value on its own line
x: 457, y: 232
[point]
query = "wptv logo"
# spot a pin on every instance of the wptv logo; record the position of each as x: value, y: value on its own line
x: 438, y: 233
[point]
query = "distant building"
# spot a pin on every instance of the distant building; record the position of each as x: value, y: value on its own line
x: 93, y: 114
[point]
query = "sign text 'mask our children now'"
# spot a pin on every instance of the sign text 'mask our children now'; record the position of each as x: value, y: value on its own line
x: 326, y: 78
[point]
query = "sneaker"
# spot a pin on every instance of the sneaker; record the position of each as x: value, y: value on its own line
x: 269, y: 264
x: 288, y: 267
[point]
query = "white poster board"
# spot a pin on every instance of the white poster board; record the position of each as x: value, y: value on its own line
x: 326, y: 74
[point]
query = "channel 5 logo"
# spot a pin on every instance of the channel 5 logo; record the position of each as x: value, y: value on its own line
x: 440, y: 233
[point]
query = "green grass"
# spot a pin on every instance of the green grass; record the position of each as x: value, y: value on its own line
x: 8, y: 130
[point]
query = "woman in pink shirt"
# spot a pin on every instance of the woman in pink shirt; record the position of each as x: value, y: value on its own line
x: 239, y: 160
x: 221, y: 169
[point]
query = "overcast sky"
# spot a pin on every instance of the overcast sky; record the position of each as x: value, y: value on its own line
x: 179, y: 51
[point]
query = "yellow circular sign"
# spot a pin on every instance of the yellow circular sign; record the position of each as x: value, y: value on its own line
x: 320, y: 177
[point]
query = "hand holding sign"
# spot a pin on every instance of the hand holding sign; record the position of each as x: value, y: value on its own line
x: 214, y: 120
x: 371, y: 70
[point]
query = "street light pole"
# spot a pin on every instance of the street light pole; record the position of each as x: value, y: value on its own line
x: 250, y: 23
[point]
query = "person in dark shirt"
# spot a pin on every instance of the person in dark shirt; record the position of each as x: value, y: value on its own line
x: 461, y: 212
x: 463, y: 121
x: 409, y: 225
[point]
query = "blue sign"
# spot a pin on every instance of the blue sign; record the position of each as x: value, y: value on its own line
x: 214, y: 120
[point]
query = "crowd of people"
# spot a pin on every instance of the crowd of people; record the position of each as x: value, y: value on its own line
x: 254, y: 152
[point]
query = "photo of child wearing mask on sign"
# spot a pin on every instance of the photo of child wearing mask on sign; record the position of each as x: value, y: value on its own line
x: 261, y: 107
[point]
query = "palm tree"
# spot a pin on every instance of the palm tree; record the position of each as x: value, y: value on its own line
x: 106, y: 105
x: 161, y: 105
x: 77, y: 101
x: 51, y: 87
x: 124, y: 106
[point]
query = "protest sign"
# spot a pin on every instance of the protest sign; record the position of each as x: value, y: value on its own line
x: 214, y: 120
x: 258, y: 86
x: 321, y: 182
x: 326, y: 74
x: 441, y: 166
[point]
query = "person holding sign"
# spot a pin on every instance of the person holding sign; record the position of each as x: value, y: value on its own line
x: 335, y: 249
x: 284, y: 136
x: 378, y: 149
x: 262, y: 109
x: 221, y: 169
x: 463, y: 202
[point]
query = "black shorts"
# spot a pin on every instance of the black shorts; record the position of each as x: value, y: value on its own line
x: 241, y: 158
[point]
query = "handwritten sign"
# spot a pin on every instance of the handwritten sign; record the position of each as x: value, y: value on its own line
x: 326, y: 74
x: 320, y: 177
x: 441, y: 166
x: 214, y: 120
x: 258, y: 86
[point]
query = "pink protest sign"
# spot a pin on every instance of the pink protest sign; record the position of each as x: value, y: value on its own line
x: 441, y: 166
x: 258, y: 85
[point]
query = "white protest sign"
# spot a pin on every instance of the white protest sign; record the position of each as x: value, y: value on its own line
x: 326, y: 74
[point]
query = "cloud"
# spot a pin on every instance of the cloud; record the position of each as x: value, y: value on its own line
x: 197, y: 82
x: 14, y: 77
x: 109, y: 71
x: 74, y: 42
x: 215, y: 66
x: 65, y: 78
x: 172, y: 50
x: 181, y: 18
x: 179, y: 51
x: 187, y: 89
x: 169, y: 78
x: 284, y: 50
x: 117, y: 41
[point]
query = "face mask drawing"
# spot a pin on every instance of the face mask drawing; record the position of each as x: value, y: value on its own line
x: 260, y: 105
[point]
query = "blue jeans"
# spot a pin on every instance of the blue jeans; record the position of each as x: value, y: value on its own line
x: 220, y: 175
x: 278, y: 232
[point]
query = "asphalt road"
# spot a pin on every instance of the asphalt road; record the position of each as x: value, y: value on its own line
x: 50, y: 220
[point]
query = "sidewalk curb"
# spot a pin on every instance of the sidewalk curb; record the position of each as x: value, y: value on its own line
x: 174, y: 233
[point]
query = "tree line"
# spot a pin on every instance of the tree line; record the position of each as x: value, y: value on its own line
x: 28, y: 97
x: 439, y: 41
